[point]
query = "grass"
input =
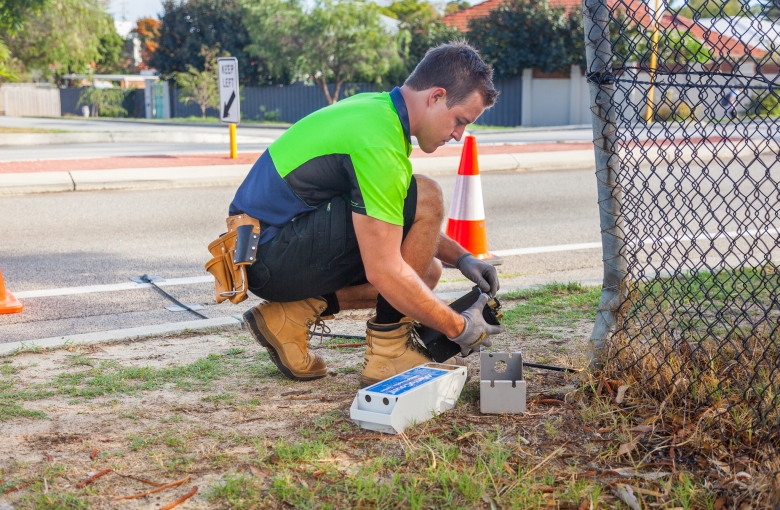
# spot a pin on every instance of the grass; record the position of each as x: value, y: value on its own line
x: 9, y: 130
x: 565, y: 452
x: 109, y: 378
x: 538, y: 311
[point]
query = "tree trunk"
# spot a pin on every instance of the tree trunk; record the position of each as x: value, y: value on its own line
x: 323, y: 84
x: 202, y: 110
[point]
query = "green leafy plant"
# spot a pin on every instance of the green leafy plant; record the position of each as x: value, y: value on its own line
x: 104, y: 102
x: 529, y: 35
x: 201, y: 86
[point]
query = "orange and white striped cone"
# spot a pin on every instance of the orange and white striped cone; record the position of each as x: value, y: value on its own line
x: 466, y: 224
x: 8, y: 303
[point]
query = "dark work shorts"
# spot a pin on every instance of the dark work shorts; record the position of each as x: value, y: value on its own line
x: 315, y: 254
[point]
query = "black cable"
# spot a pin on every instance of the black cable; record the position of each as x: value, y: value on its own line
x: 147, y: 279
x: 551, y: 367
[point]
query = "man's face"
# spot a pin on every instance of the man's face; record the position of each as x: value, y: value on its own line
x: 441, y: 124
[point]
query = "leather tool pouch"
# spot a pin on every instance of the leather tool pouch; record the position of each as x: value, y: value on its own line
x: 231, y: 253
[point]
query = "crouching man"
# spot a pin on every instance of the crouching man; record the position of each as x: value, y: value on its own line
x: 344, y: 224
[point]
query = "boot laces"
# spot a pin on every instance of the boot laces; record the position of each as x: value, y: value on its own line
x: 414, y: 341
x: 317, y: 323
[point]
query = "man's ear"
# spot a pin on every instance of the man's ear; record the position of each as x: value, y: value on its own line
x: 437, y: 94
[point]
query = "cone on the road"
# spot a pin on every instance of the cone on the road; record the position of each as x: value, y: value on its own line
x: 8, y: 303
x: 466, y: 223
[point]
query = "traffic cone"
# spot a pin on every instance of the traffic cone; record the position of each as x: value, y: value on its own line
x: 8, y: 303
x: 466, y: 224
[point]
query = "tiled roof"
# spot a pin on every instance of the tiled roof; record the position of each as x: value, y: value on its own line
x: 460, y: 19
x: 721, y: 45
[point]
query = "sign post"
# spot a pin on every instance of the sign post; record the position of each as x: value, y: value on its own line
x: 229, y: 111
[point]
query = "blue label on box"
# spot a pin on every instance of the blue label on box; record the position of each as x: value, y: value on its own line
x: 410, y: 379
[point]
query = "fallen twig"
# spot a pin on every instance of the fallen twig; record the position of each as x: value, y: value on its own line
x: 17, y: 488
x: 181, y: 499
x: 92, y: 478
x: 93, y: 454
x: 158, y: 489
x: 147, y: 482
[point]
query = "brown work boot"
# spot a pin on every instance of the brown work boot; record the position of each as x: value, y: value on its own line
x: 392, y: 349
x: 284, y: 329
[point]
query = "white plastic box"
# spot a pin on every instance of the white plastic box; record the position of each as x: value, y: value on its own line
x: 408, y: 398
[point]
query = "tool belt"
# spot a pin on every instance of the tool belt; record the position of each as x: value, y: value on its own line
x: 232, y: 252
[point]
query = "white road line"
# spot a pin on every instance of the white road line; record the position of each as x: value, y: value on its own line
x: 546, y: 249
x: 68, y: 291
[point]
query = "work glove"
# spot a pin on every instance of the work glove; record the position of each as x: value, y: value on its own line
x: 475, y: 333
x: 479, y: 272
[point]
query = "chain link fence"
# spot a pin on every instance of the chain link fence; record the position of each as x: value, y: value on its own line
x: 686, y: 108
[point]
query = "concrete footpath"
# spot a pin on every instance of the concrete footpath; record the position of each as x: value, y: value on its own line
x: 152, y: 172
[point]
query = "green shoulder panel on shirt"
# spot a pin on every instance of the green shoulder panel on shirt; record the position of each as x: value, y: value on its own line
x: 367, y: 128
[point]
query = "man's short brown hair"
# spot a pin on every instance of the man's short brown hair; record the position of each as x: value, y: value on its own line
x: 457, y: 68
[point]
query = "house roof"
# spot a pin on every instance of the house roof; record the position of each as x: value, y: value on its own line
x: 461, y: 19
x: 721, y: 44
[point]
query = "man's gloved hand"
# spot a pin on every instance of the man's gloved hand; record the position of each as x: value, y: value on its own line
x: 479, y: 272
x: 476, y: 331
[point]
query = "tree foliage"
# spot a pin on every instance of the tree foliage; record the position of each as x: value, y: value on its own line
x: 148, y: 31
x: 334, y: 43
x: 696, y: 9
x: 104, y: 102
x: 188, y: 26
x: 529, y: 34
x: 67, y: 36
x: 421, y: 28
x: 201, y: 87
x: 13, y: 13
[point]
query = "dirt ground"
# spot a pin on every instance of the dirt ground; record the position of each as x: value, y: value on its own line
x: 81, y: 435
x: 207, y: 420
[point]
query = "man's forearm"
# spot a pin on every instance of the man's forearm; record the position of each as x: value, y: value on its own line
x: 448, y: 250
x: 404, y: 289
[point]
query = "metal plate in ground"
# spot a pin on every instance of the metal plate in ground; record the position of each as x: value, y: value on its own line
x: 501, y: 385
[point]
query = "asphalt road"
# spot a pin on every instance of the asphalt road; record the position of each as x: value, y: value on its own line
x: 94, y: 238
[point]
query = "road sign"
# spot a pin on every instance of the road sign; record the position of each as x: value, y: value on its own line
x: 229, y: 109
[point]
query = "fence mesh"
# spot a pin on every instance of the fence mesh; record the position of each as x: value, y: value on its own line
x: 686, y: 102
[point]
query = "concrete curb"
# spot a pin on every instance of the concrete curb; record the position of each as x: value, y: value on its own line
x: 233, y: 175
x: 27, y: 139
x: 120, y: 335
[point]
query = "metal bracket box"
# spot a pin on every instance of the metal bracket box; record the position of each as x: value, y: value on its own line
x: 501, y: 385
x: 410, y: 397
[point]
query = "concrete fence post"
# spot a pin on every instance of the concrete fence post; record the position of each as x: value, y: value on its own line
x: 527, y: 91
x: 602, y: 88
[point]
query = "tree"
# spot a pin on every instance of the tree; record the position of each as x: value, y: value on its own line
x: 454, y: 6
x: 334, y: 43
x: 529, y: 34
x: 342, y: 41
x: 425, y: 29
x: 67, y: 36
x: 201, y: 87
x: 188, y: 26
x: 104, y: 102
x: 148, y: 31
x: 696, y: 9
x: 13, y: 13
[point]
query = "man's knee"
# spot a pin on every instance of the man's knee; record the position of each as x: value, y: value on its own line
x: 430, y: 201
x: 434, y: 274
